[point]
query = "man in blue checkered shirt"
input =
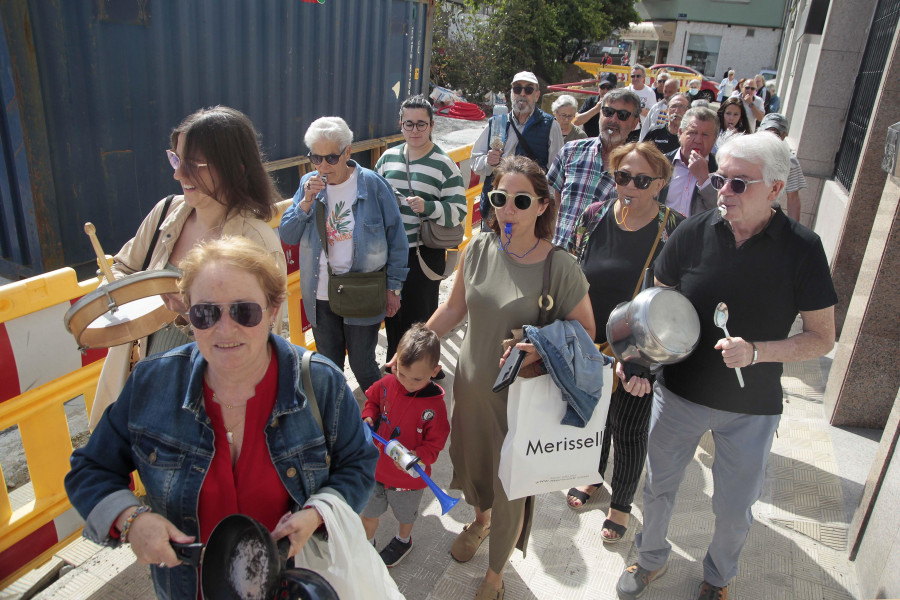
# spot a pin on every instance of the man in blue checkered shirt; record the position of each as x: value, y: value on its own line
x: 578, y: 175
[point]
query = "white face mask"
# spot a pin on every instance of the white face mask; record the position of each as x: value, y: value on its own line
x: 693, y: 91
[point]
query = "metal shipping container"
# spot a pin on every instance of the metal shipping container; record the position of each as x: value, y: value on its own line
x: 92, y: 88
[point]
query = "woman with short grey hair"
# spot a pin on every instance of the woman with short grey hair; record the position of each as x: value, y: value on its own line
x: 564, y: 110
x: 358, y: 213
x: 328, y: 129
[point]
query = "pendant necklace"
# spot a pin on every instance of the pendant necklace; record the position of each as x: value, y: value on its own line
x: 229, y: 431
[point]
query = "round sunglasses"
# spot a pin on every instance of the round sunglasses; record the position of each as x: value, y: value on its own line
x: 206, y: 314
x: 331, y: 159
x: 522, y: 200
x: 738, y: 185
x: 641, y: 182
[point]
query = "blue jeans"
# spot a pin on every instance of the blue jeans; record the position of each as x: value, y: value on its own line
x: 334, y: 338
x: 739, y: 469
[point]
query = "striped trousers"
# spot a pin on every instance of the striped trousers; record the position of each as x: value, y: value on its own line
x: 627, y: 426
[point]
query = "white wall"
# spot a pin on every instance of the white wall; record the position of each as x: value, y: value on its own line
x: 746, y: 55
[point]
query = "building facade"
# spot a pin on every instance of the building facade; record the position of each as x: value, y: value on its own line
x: 709, y: 35
x: 837, y: 80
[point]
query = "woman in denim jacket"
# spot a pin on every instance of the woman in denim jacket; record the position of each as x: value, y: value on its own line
x: 221, y: 426
x: 365, y: 234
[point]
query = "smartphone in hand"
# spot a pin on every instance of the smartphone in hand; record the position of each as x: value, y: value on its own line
x: 510, y: 370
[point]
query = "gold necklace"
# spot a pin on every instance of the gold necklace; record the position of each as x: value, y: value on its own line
x: 229, y: 406
x: 229, y: 431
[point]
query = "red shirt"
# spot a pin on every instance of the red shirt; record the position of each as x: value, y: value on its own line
x: 422, y: 421
x: 252, y: 486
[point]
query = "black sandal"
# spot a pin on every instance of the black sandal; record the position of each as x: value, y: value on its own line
x: 582, y: 497
x: 619, y: 530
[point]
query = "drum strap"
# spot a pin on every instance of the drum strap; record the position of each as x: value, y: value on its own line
x: 155, y: 239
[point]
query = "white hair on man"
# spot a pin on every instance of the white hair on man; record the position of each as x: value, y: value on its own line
x: 328, y: 129
x: 700, y: 113
x: 564, y: 100
x: 766, y: 150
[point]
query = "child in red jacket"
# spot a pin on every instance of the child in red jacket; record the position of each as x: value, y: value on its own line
x: 408, y: 407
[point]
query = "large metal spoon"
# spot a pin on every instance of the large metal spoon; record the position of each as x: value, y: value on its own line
x: 720, y: 317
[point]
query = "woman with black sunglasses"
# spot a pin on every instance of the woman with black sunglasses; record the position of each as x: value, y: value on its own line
x: 496, y: 288
x: 222, y: 426
x: 615, y: 242
x: 357, y: 213
x: 225, y: 190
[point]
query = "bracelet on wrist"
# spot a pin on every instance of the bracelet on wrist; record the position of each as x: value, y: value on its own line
x: 138, y: 510
x: 755, y: 354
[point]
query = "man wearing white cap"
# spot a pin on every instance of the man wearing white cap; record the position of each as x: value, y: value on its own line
x: 529, y: 131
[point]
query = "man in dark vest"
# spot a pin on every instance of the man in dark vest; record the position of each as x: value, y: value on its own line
x: 528, y: 131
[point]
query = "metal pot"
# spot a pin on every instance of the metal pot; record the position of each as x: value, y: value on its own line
x: 659, y: 327
x: 242, y: 562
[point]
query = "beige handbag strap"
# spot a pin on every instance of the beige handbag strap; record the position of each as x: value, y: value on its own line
x: 308, y: 387
x: 662, y: 227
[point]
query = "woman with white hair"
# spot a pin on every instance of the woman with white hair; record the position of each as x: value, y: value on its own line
x: 727, y: 87
x: 564, y: 110
x: 356, y: 210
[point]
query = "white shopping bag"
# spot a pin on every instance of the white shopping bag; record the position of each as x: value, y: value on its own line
x: 539, y: 454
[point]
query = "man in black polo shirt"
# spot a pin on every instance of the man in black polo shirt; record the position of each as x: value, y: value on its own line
x: 766, y: 268
x: 666, y: 136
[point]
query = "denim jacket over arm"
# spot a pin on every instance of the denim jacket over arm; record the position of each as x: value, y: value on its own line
x: 574, y: 363
x: 379, y: 238
x: 160, y: 427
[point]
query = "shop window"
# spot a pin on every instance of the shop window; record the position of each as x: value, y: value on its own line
x: 703, y: 53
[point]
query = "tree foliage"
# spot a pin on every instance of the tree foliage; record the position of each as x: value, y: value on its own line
x: 480, y: 44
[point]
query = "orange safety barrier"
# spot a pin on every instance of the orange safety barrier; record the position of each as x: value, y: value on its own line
x: 43, y: 369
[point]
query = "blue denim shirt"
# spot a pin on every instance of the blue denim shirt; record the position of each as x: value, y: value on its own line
x: 379, y: 238
x: 159, y: 426
x: 575, y: 365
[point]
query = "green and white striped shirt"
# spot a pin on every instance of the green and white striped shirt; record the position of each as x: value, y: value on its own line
x: 436, y: 180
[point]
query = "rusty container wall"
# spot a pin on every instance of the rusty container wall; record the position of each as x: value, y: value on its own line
x: 115, y: 76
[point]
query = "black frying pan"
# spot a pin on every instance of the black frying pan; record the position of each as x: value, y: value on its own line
x: 241, y: 561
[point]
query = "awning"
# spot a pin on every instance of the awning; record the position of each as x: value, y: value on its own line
x: 650, y: 31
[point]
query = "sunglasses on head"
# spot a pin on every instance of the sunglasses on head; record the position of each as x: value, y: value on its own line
x: 528, y: 89
x: 331, y: 159
x: 641, y: 182
x: 522, y: 200
x: 738, y: 185
x: 206, y: 314
x: 622, y: 114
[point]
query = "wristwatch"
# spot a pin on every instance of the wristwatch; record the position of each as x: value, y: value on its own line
x: 395, y: 292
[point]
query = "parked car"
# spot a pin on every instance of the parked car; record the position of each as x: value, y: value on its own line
x: 708, y: 88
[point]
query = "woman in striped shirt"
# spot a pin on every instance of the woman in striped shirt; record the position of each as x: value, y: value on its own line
x: 437, y: 193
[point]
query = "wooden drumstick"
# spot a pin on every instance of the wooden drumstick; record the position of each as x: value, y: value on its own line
x: 91, y: 231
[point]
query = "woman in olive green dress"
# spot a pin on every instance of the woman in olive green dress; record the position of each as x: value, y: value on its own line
x: 497, y: 288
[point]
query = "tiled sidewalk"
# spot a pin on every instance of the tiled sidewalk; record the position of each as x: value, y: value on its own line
x: 797, y: 548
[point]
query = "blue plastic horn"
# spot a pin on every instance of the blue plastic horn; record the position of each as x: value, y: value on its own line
x: 447, y: 501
